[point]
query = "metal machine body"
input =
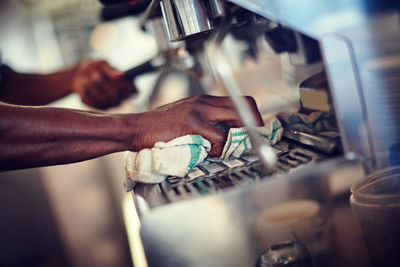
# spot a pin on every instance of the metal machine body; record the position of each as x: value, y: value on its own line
x: 211, y: 217
x: 353, y: 35
x: 360, y: 57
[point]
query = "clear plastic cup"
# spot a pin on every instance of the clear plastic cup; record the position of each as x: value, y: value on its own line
x: 375, y: 200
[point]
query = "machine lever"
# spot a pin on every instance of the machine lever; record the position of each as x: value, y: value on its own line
x: 121, y: 10
x: 151, y: 65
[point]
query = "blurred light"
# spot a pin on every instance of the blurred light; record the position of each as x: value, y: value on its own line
x: 332, y: 22
x: 103, y: 36
x: 132, y: 225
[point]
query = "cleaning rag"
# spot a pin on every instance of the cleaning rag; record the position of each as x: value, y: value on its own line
x: 238, y: 140
x: 311, y: 123
x: 179, y: 156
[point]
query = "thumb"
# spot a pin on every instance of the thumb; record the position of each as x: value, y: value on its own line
x: 112, y: 73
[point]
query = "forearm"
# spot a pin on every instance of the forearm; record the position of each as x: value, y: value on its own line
x: 43, y: 136
x: 35, y: 89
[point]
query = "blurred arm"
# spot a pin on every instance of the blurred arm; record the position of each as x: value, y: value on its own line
x: 34, y: 89
x: 97, y: 83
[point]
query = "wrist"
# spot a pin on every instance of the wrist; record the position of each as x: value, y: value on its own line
x: 130, y: 130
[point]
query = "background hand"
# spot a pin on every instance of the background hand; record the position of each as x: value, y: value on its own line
x: 101, y: 86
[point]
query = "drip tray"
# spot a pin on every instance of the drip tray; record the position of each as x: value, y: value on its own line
x: 213, y: 175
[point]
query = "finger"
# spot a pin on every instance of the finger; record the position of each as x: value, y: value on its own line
x: 234, y: 124
x: 96, y: 88
x: 255, y: 111
x: 77, y: 86
x: 212, y: 134
x: 117, y: 91
x: 215, y: 114
x: 104, y: 91
x: 88, y: 99
x: 221, y: 101
x: 238, y: 122
x: 225, y: 105
x: 93, y: 76
x: 110, y: 92
x: 110, y: 72
x: 127, y: 88
x: 107, y: 76
x: 95, y: 97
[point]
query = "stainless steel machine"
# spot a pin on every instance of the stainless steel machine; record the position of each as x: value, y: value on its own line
x: 275, y: 206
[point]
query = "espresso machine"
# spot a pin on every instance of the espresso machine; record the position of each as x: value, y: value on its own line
x: 275, y: 206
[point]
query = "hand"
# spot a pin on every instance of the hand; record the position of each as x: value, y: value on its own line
x: 100, y: 85
x: 193, y: 115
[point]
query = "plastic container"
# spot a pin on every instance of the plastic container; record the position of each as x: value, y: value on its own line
x: 375, y: 200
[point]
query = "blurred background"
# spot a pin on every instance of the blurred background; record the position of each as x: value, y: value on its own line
x: 66, y: 215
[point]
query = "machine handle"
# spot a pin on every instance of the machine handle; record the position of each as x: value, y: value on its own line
x: 146, y: 67
x: 117, y: 11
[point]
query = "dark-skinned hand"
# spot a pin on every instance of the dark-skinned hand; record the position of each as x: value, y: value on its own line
x: 193, y: 115
x: 99, y: 85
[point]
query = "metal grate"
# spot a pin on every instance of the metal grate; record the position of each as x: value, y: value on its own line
x: 213, y: 176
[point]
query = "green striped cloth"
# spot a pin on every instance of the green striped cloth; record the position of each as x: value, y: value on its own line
x: 177, y: 157
x: 238, y: 140
x: 312, y: 123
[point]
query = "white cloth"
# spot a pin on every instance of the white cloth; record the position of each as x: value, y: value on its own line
x: 179, y: 156
x: 238, y: 140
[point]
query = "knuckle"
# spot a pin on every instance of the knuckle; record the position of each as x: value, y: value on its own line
x: 197, y: 98
x: 100, y: 105
x: 185, y: 126
x: 216, y: 149
x: 84, y: 90
x: 88, y: 101
x: 251, y: 100
x: 193, y: 113
x: 201, y: 109
x: 89, y: 91
x: 116, y: 102
x: 85, y: 100
x: 95, y: 77
x: 128, y: 89
x: 100, y: 63
x: 219, y: 139
x: 189, y: 120
x: 204, y: 97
